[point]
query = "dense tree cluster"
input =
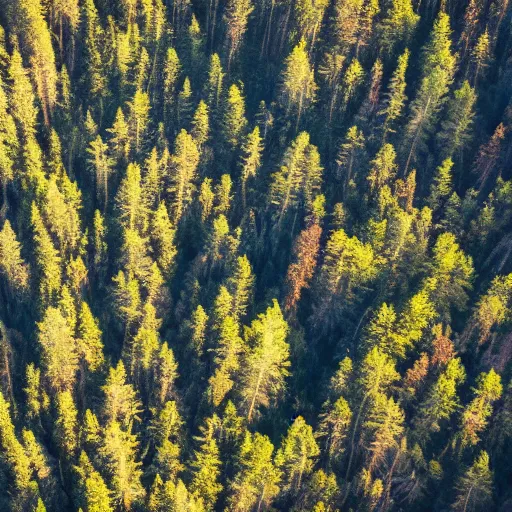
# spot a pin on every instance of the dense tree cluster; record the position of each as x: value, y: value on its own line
x: 255, y: 255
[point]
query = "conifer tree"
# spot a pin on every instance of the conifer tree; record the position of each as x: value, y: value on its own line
x: 397, y: 26
x: 475, y: 417
x: 8, y: 144
x: 298, y: 82
x: 299, y: 178
x: 171, y: 73
x: 201, y: 124
x: 309, y: 17
x: 93, y: 494
x: 234, y: 122
x: 456, y: 128
x: 266, y: 365
x: 226, y: 359
x: 119, y: 455
x: 206, y: 472
x: 383, y: 168
x: 488, y: 156
x: 184, y: 166
x: 395, y: 98
x: 452, y: 274
x: 214, y: 83
x: 184, y: 105
x: 138, y: 118
x: 240, y: 286
x: 162, y: 237
x: 256, y: 483
x: 59, y: 354
x: 297, y: 454
x: 474, y: 488
x: 66, y: 424
x: 30, y: 26
x: 481, y: 56
x: 24, y: 490
x: 300, y: 273
x: 236, y: 17
x: 101, y: 166
x: 129, y: 199
x: 334, y: 427
x: 22, y: 101
x: 94, y: 74
x: 119, y: 143
x: 383, y: 426
x: 442, y: 185
x: 441, y: 400
x: 252, y: 149
x: 12, y: 267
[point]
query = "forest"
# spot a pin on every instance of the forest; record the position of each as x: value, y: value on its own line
x: 255, y: 255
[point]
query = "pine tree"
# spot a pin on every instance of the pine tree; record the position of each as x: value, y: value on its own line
x: 94, y: 74
x: 101, y: 166
x: 474, y: 489
x: 206, y: 471
x: 236, y: 17
x: 452, y: 275
x: 66, y: 425
x: 346, y: 23
x: 129, y: 199
x: 475, y: 417
x: 298, y: 83
x: 214, y: 83
x: 59, y: 354
x: 234, y: 122
x: 162, y: 235
x: 138, y: 118
x: 184, y: 167
x: 481, y: 56
x: 300, y: 273
x: 240, y: 286
x: 90, y: 346
x: 171, y: 73
x: 438, y: 70
x: 23, y: 489
x: 456, y: 128
x: 257, y: 482
x: 226, y: 360
x: 395, y: 98
x: 21, y: 99
x: 309, y: 16
x: 488, y: 156
x: 8, y: 145
x: 119, y: 455
x: 334, y: 427
x: 93, y: 492
x: 493, y: 307
x: 299, y: 178
x: 383, y: 168
x: 266, y: 365
x: 201, y: 124
x: 184, y: 105
x: 297, y: 454
x: 119, y: 143
x: 12, y: 267
x: 441, y: 400
x: 252, y: 150
x: 166, y: 374
x: 442, y: 185
x: 120, y: 404
x: 383, y: 426
x: 29, y: 24
x: 398, y: 26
